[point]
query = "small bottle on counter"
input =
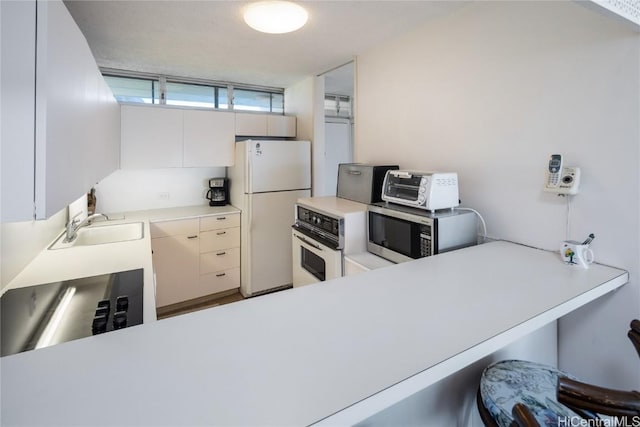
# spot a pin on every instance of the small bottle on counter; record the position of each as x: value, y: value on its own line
x: 91, y: 202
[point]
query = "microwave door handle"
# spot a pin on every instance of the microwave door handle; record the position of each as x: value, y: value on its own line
x: 308, y: 242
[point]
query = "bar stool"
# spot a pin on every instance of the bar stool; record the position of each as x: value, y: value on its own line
x: 522, y: 393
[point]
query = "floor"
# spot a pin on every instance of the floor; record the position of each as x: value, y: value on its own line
x: 198, y: 304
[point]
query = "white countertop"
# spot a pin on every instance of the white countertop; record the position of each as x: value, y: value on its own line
x: 84, y: 261
x: 369, y: 261
x: 181, y: 212
x: 298, y: 356
x: 332, y: 205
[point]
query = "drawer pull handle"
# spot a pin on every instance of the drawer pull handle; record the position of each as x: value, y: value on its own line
x: 192, y: 237
x: 221, y: 233
x: 222, y: 218
x: 221, y: 274
x: 221, y: 253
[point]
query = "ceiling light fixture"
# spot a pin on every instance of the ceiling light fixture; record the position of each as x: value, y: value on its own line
x: 275, y: 16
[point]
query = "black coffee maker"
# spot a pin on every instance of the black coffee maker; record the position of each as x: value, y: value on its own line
x: 218, y: 194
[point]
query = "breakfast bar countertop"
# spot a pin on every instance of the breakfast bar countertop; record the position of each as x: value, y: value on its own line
x: 332, y: 352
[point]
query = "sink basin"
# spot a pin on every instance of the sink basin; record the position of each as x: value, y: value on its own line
x: 102, y: 234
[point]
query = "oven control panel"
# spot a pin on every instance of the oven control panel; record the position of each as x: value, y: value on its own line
x: 318, y: 221
x: 320, y: 226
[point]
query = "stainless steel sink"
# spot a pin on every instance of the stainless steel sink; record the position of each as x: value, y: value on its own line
x: 102, y: 234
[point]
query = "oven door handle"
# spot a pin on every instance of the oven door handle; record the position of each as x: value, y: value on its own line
x: 313, y: 245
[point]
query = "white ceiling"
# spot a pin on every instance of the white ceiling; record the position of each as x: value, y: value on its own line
x: 209, y: 39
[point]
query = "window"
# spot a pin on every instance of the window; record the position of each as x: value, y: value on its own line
x: 254, y: 100
x: 150, y: 89
x: 337, y: 105
x: 194, y: 95
x: 128, y: 89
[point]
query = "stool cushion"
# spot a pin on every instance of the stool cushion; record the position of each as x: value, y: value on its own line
x: 505, y: 383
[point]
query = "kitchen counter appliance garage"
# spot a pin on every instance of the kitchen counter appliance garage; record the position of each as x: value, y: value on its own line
x: 362, y: 182
x: 39, y: 316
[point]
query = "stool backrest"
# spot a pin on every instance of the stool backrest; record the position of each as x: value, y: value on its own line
x: 634, y: 334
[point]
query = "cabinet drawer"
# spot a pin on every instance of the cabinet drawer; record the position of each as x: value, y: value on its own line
x: 219, y: 239
x: 220, y: 281
x: 219, y: 260
x: 219, y: 221
x: 174, y: 228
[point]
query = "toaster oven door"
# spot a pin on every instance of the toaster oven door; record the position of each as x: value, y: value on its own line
x: 404, y: 188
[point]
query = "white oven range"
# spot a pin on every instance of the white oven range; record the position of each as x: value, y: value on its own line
x: 326, y: 229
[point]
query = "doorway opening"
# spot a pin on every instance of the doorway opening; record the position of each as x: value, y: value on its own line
x: 338, y: 123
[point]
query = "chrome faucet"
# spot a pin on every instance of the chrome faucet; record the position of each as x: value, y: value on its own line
x: 74, y: 225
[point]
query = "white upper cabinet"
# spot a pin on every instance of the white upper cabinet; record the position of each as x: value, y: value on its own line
x: 151, y: 137
x: 281, y: 126
x: 249, y: 124
x: 64, y: 111
x: 209, y: 138
x: 77, y: 118
x: 18, y: 29
x: 165, y: 137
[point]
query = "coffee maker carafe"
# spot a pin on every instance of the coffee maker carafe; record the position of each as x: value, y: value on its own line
x: 218, y: 194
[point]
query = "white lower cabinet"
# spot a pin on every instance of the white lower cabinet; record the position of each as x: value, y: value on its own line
x: 221, y: 280
x: 176, y: 264
x: 195, y: 257
x: 220, y: 260
x: 176, y: 249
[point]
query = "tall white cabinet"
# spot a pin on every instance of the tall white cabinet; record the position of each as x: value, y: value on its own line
x: 60, y: 132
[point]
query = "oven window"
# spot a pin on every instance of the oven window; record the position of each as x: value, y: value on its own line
x: 394, y: 234
x: 408, y: 192
x: 313, y: 264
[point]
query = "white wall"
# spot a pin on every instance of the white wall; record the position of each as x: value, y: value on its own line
x: 122, y: 191
x: 132, y: 190
x: 452, y: 401
x: 22, y: 241
x: 490, y: 92
x: 305, y: 100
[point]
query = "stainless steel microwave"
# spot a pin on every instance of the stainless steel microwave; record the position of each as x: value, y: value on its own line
x: 400, y: 233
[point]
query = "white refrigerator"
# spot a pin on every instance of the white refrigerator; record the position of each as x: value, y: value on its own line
x: 266, y: 181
